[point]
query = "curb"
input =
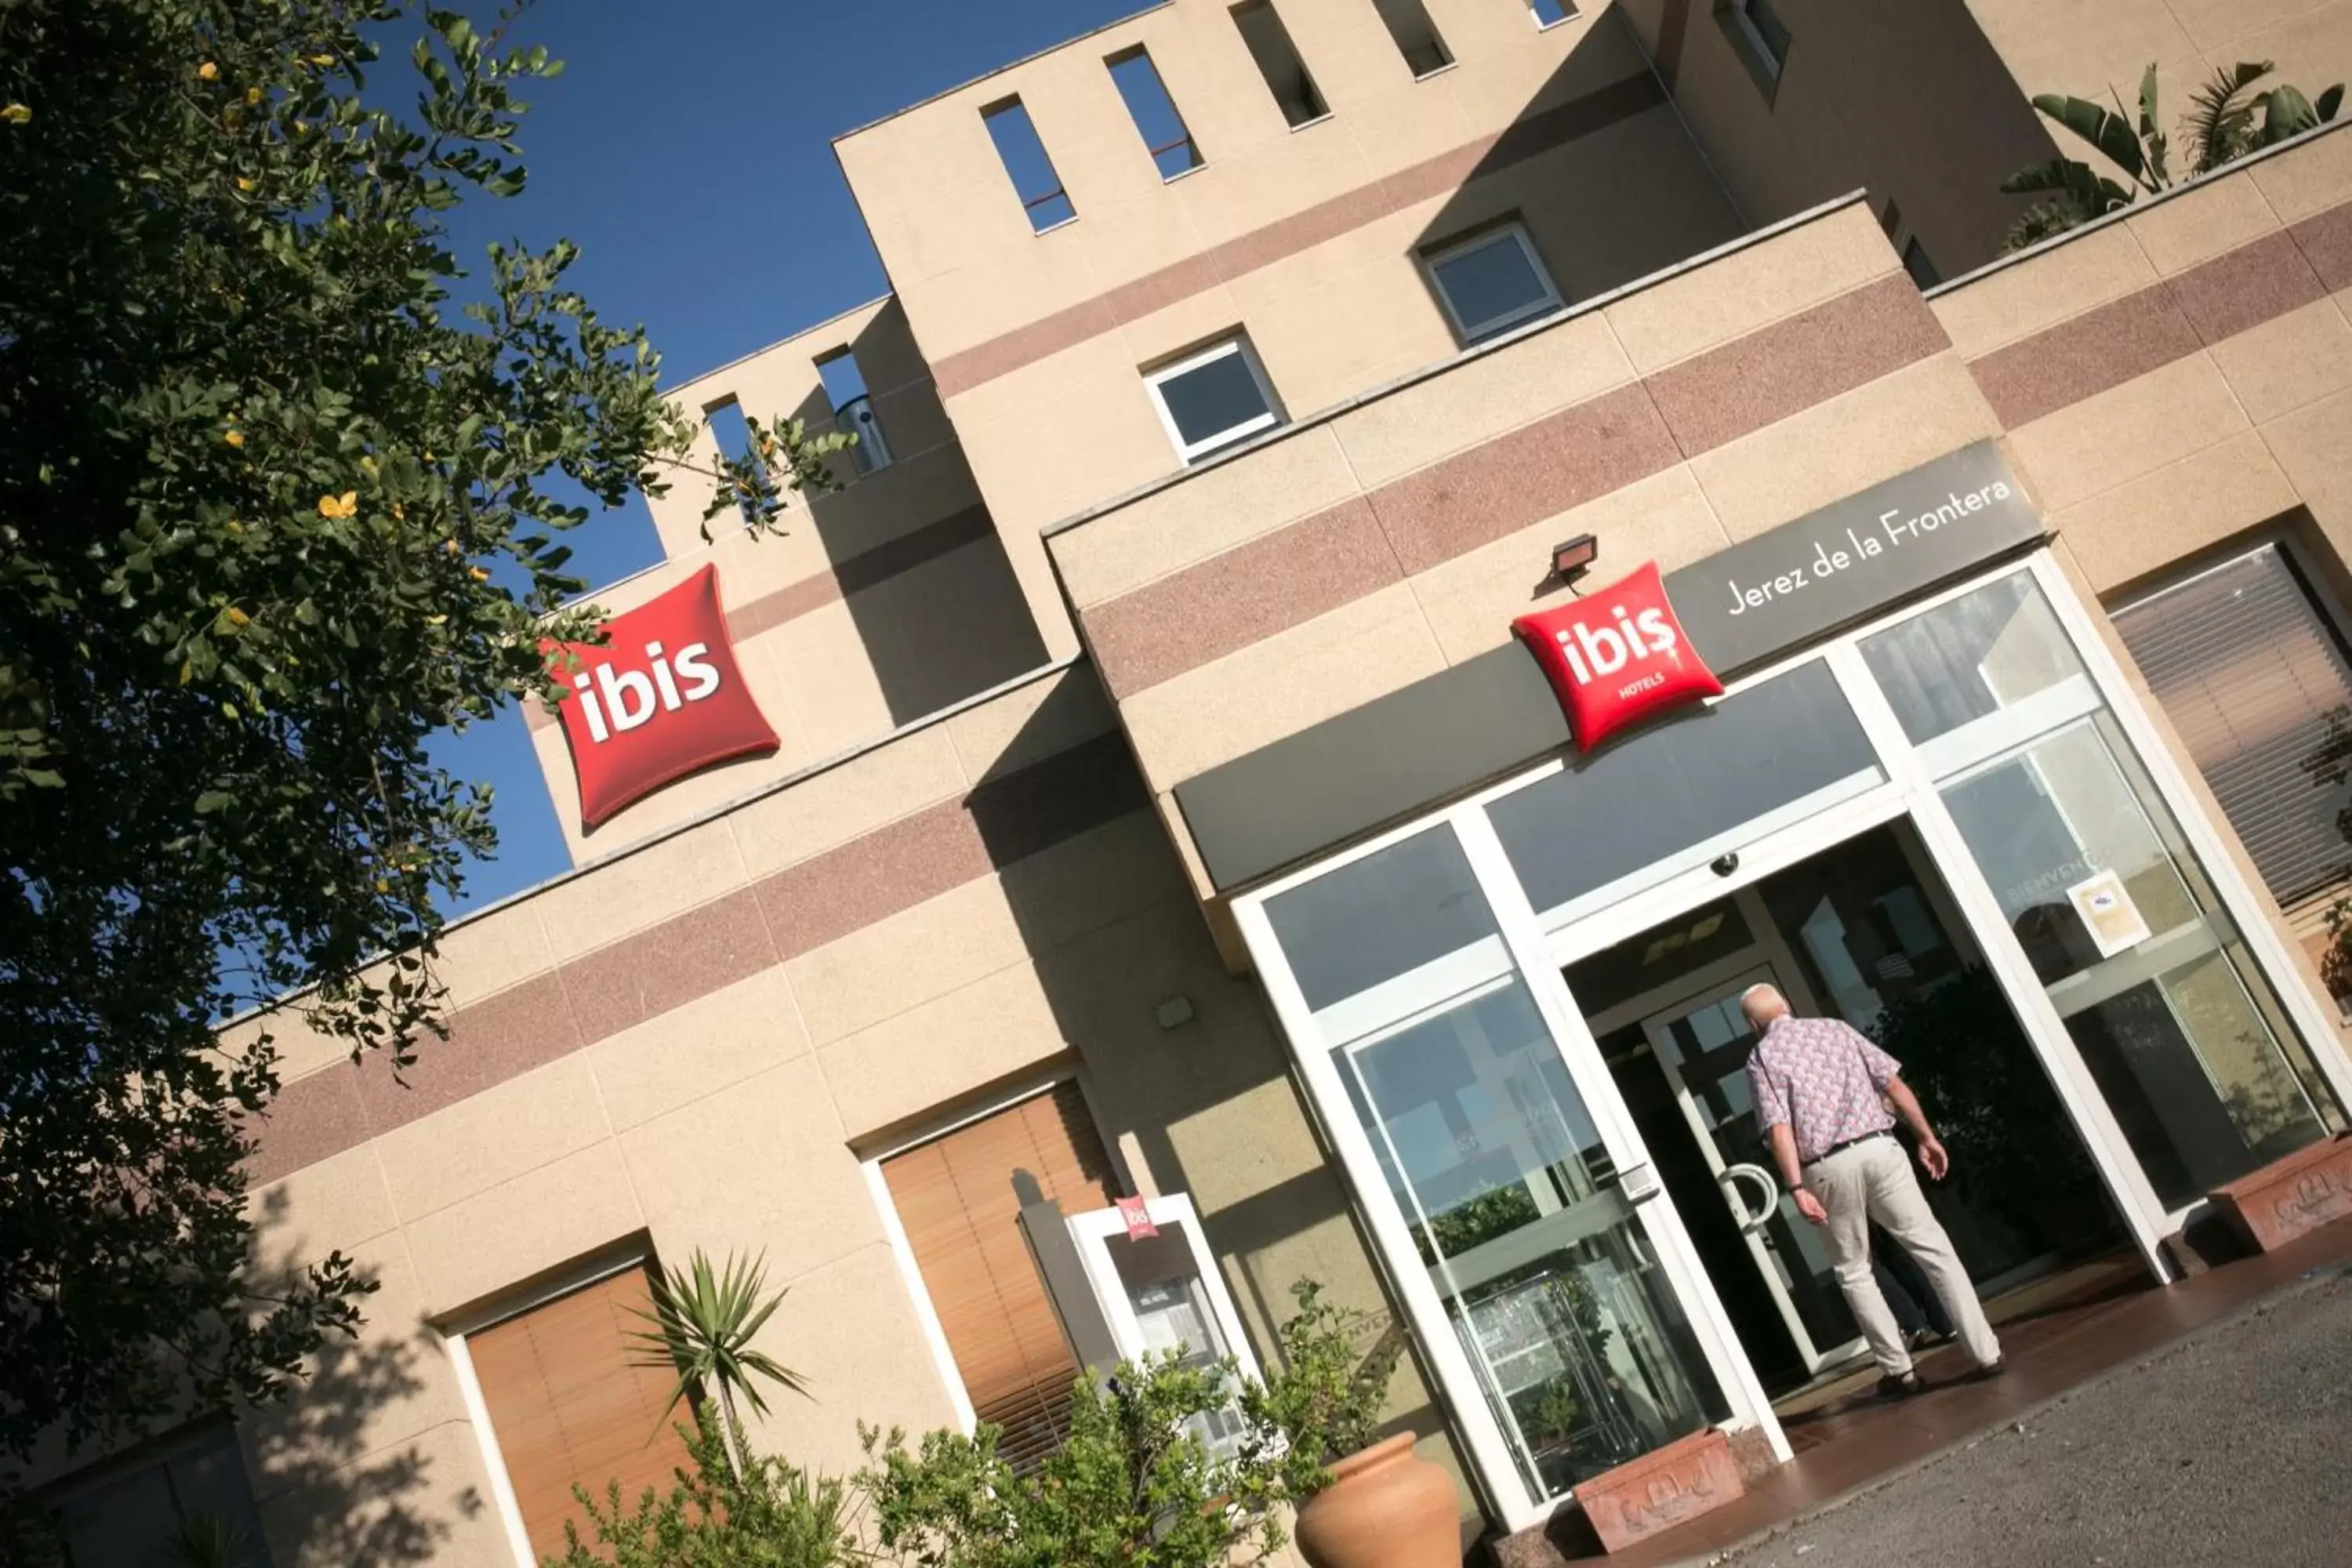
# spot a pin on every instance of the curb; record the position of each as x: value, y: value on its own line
x: 2312, y: 1279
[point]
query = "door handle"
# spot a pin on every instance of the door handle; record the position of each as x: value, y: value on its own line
x: 1769, y: 1185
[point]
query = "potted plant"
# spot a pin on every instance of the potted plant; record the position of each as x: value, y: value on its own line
x: 1369, y: 1504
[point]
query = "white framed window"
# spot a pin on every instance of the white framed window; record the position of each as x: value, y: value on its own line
x: 1759, y: 26
x: 1491, y: 282
x: 1214, y: 398
x: 1550, y: 12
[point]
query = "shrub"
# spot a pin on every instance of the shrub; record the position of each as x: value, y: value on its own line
x: 773, y: 1515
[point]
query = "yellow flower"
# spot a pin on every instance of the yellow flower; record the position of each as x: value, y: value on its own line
x: 479, y: 574
x: 237, y: 617
x: 235, y: 437
x: 208, y: 71
x: 15, y: 114
x: 243, y: 184
x: 399, y: 511
x: 253, y: 95
x: 344, y: 505
x: 322, y: 59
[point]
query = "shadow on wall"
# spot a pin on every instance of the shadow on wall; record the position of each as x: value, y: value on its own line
x: 328, y: 1486
x: 938, y: 610
x: 1205, y: 1106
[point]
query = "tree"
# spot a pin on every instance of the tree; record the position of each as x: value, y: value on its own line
x: 2224, y: 126
x: 273, y: 514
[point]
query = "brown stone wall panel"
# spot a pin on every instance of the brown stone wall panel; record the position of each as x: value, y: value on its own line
x: 1064, y: 795
x: 311, y: 1119
x: 2082, y: 358
x: 1790, y: 366
x: 869, y: 879
x: 1561, y: 461
x: 525, y: 1027
x: 968, y: 368
x: 2241, y: 288
x: 1248, y: 594
x: 2326, y: 241
x: 666, y: 965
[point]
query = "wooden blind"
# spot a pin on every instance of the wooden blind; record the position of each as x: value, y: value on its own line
x: 955, y: 1199
x: 2255, y: 682
x: 569, y: 1403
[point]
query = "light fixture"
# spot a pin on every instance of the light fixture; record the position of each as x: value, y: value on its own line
x: 1570, y: 560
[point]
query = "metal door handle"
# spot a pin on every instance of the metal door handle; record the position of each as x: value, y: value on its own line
x: 1770, y: 1184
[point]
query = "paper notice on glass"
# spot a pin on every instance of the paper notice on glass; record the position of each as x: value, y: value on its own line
x: 2108, y: 913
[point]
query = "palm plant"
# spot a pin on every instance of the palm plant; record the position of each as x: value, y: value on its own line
x: 703, y: 1321
x: 205, y: 1541
x: 2224, y: 125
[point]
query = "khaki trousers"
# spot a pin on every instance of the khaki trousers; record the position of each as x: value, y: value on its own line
x: 1873, y: 1181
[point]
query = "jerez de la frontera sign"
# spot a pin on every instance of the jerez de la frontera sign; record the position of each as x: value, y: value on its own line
x: 1615, y: 656
x: 1845, y: 563
x: 660, y: 698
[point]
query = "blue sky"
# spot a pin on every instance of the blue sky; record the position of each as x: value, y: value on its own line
x: 687, y: 148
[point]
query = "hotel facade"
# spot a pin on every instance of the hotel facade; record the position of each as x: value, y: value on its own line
x: 1129, y: 784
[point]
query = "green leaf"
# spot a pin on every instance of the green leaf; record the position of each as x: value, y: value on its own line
x: 2109, y: 133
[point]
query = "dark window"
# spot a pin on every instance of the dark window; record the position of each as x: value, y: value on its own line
x: 133, y: 1517
x: 1757, y: 23
x: 1491, y: 283
x: 2257, y: 685
x: 1214, y: 398
x: 1915, y: 261
x: 1279, y: 61
x: 1026, y: 163
x: 1155, y: 114
x: 1417, y: 36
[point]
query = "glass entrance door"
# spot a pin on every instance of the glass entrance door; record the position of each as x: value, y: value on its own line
x: 1702, y: 1044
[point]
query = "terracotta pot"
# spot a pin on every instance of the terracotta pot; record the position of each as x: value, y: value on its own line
x: 1385, y: 1507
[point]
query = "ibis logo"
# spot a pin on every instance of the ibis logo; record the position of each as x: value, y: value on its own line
x: 1616, y: 656
x: 659, y: 698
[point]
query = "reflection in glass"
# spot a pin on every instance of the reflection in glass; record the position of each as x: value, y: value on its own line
x: 1577, y: 1342
x: 1172, y: 1306
x: 1379, y: 917
x: 2186, y: 1039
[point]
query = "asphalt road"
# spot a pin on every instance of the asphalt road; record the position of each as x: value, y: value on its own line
x: 2232, y: 1448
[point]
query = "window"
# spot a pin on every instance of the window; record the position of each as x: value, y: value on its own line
x: 1214, y: 398
x: 1550, y: 12
x: 132, y: 1516
x: 1277, y: 60
x: 1491, y: 282
x: 1154, y: 112
x: 2256, y: 683
x: 1027, y: 164
x: 853, y: 409
x: 1757, y: 25
x: 566, y: 1400
x: 1417, y: 36
x: 734, y: 438
x: 955, y: 1203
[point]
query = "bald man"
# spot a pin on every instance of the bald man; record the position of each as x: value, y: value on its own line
x: 1820, y: 1089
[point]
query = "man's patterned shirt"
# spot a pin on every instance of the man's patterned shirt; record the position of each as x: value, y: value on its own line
x: 1824, y: 1079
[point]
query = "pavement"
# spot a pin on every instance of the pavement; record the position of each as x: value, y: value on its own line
x: 2229, y: 1446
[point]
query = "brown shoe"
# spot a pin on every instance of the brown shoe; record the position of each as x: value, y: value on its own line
x: 1892, y: 1386
x: 1990, y: 1370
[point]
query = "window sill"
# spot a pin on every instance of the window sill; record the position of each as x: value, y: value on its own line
x: 1543, y: 27
x: 1436, y: 71
x: 1183, y: 173
x: 1322, y: 119
x: 1053, y: 228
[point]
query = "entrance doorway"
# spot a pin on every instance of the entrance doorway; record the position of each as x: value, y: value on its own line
x: 1865, y: 932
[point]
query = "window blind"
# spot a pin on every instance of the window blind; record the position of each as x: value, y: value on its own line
x: 569, y: 1403
x: 2257, y: 685
x: 955, y: 1201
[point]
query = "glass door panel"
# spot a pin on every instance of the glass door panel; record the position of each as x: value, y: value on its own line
x: 2186, y: 1040
x: 1544, y: 1271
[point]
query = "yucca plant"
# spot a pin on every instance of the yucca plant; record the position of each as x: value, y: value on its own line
x: 703, y: 1323
x: 2224, y: 125
x: 205, y: 1541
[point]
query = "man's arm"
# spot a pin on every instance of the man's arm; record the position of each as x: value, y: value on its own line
x: 1932, y: 1158
x: 1792, y: 1175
